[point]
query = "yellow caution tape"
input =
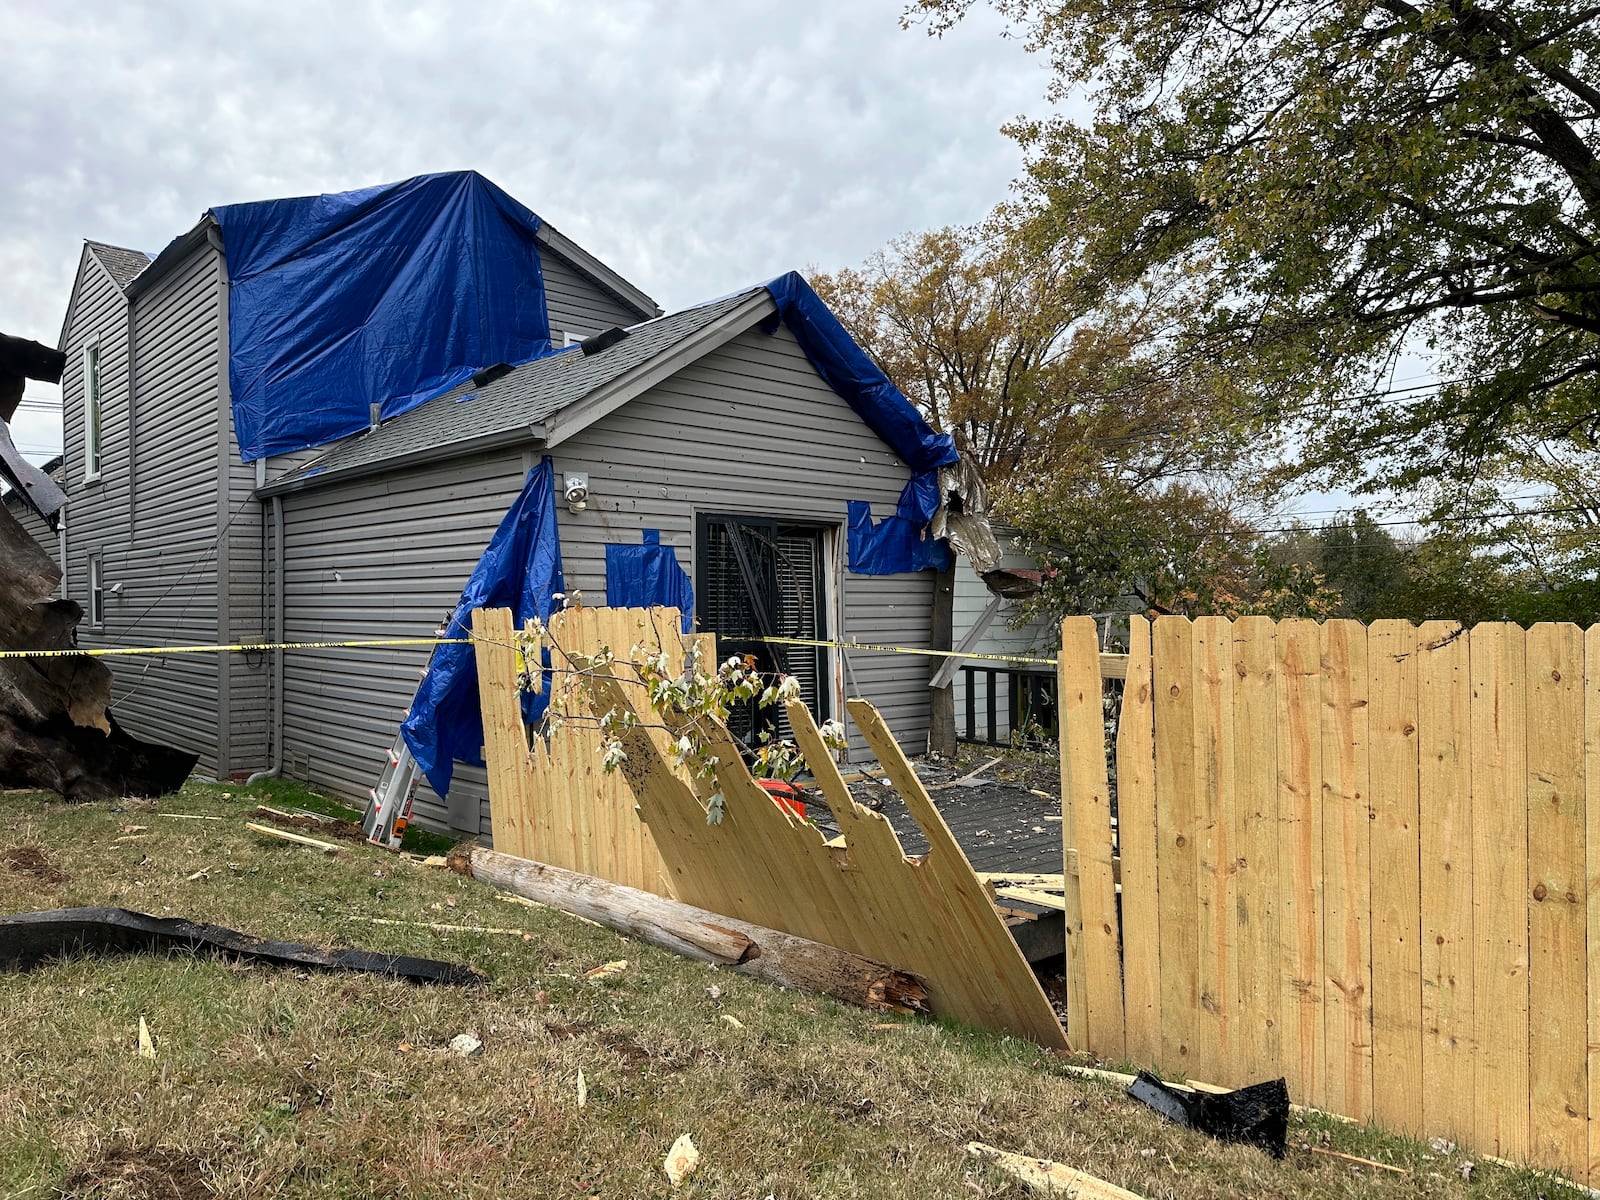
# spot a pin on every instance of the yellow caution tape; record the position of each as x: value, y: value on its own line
x: 257, y: 647
x: 246, y: 647
x: 876, y: 649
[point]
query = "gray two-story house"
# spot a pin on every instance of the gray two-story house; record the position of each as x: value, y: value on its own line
x: 707, y: 426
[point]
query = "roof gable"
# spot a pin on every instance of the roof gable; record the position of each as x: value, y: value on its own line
x: 550, y: 398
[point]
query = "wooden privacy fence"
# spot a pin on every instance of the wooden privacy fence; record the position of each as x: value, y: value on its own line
x: 753, y: 860
x: 559, y: 806
x: 1357, y: 857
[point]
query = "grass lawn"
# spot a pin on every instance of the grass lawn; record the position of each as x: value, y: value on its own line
x: 271, y: 1082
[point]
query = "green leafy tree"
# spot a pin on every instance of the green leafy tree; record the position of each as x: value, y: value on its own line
x: 1108, y: 450
x: 1337, y: 182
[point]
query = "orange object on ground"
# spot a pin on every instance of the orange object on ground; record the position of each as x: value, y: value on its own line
x: 786, y: 796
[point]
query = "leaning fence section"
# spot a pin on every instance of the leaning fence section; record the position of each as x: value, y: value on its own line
x: 1356, y: 857
x: 550, y: 799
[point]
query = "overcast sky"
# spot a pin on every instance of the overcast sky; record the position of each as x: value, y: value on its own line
x: 695, y: 146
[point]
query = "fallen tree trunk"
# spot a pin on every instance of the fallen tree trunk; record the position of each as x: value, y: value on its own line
x: 764, y: 954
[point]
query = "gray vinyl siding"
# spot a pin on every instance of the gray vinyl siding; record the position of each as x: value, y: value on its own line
x: 751, y: 429
x: 577, y: 303
x: 97, y: 513
x: 383, y: 557
x: 154, y: 515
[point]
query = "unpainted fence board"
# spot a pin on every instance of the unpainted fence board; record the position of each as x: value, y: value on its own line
x: 1392, y: 673
x: 1444, y: 803
x: 1077, y: 965
x: 1085, y: 787
x: 1591, y: 814
x: 1136, y: 827
x: 1175, y: 854
x: 1500, y: 887
x: 1299, y: 679
x: 1346, y: 865
x: 1215, y: 873
x: 1558, y: 914
x: 1255, y: 808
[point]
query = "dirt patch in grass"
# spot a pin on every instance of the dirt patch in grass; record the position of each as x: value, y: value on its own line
x: 30, y: 860
x: 300, y: 823
x: 135, y: 1173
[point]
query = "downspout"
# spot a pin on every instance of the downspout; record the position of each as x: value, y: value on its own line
x: 276, y: 681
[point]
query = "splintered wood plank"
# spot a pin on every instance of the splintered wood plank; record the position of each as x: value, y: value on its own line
x: 1591, y: 814
x: 1392, y: 672
x: 1500, y: 887
x: 1136, y: 827
x: 1173, y: 669
x: 1558, y: 914
x: 757, y: 863
x: 1255, y: 758
x: 1215, y: 870
x: 505, y: 742
x: 1083, y: 779
x: 1346, y: 868
x: 1444, y: 820
x: 1001, y: 983
x: 1299, y: 678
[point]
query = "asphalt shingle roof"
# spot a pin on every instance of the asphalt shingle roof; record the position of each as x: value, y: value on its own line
x: 528, y: 394
x: 124, y: 264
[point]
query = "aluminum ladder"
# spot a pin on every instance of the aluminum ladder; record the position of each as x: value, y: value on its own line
x: 390, y: 811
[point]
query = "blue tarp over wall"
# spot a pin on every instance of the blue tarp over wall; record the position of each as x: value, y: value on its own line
x: 648, y: 576
x: 521, y: 570
x: 899, y: 542
x: 389, y: 295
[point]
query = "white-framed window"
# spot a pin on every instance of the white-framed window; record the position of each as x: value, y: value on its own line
x: 573, y: 337
x: 91, y: 411
x: 97, y: 593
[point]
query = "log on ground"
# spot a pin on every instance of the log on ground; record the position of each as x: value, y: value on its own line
x: 753, y: 950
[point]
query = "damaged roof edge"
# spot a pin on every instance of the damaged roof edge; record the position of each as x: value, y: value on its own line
x: 176, y: 251
x: 310, y: 477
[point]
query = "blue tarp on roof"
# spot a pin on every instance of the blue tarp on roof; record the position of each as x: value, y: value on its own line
x: 520, y: 570
x: 389, y: 295
x: 897, y: 543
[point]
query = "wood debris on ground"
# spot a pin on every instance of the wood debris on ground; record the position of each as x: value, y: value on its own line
x: 147, y: 1045
x: 300, y: 839
x: 681, y: 1160
x: 608, y: 970
x: 1051, y: 1178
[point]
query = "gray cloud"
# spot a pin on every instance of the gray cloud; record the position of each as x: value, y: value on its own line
x: 696, y: 146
